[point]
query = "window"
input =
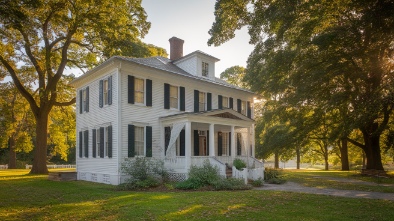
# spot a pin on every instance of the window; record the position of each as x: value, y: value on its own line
x: 205, y: 68
x: 84, y: 144
x: 139, y: 141
x: 201, y: 101
x: 139, y: 90
x: 225, y: 145
x: 243, y: 108
x: 84, y: 100
x: 105, y: 91
x: 225, y: 102
x: 98, y: 142
x: 106, y: 144
x: 174, y: 97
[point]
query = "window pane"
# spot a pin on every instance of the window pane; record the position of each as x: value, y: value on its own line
x: 139, y: 141
x: 139, y: 90
x: 83, y: 100
x: 243, y: 108
x: 225, y: 144
x: 106, y: 142
x: 105, y: 91
x: 204, y: 69
x: 98, y: 142
x: 201, y: 101
x: 225, y: 102
x: 174, y: 97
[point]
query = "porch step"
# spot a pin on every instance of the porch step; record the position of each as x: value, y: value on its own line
x: 229, y: 172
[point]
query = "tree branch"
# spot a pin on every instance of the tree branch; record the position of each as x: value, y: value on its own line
x: 362, y: 146
x: 68, y: 103
x: 20, y: 87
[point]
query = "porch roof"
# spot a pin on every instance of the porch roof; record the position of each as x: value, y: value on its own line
x: 217, y: 116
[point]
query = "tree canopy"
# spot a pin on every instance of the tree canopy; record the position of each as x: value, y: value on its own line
x: 46, y: 37
x: 335, y: 57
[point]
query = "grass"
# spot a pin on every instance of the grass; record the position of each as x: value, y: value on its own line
x: 31, y: 197
x: 340, y: 180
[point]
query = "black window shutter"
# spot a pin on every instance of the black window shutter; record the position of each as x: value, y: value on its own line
x: 101, y: 142
x: 130, y: 89
x: 207, y: 142
x: 249, y: 110
x: 229, y: 144
x: 196, y: 101
x: 196, y: 143
x: 130, y: 143
x: 80, y: 144
x: 239, y: 103
x: 94, y: 143
x: 167, y: 137
x: 220, y: 144
x: 209, y: 101
x: 231, y: 101
x: 166, y: 96
x: 182, y: 143
x: 80, y: 102
x: 86, y: 142
x: 238, y: 144
x: 220, y: 102
x: 148, y: 141
x: 101, y: 93
x: 148, y: 93
x: 110, y: 90
x: 182, y: 99
x: 110, y: 141
x: 87, y: 99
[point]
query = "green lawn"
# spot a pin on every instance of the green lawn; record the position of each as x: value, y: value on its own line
x: 27, y: 197
x: 326, y: 179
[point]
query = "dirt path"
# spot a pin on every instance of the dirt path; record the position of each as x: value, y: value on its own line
x: 295, y: 187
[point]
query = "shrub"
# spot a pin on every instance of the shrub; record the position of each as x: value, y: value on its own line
x: 273, y: 176
x: 208, y: 175
x: 239, y: 164
x: 144, y: 173
x: 258, y: 183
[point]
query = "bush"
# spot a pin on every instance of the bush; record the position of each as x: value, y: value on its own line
x: 144, y: 173
x: 273, y: 176
x: 258, y: 183
x: 208, y: 175
x: 239, y: 164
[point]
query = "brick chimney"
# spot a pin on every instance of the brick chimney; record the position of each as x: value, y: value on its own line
x: 176, y: 48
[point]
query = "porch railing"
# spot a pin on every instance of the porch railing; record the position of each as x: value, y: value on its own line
x: 175, y: 163
x: 251, y: 174
x: 251, y: 161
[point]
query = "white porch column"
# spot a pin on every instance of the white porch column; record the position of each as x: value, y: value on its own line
x: 211, y: 140
x: 188, y: 145
x: 247, y: 143
x: 233, y: 153
x: 253, y: 142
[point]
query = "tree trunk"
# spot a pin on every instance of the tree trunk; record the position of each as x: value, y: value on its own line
x: 12, y: 153
x: 344, y: 154
x: 364, y: 163
x: 372, y: 152
x: 276, y: 155
x: 298, y: 157
x: 325, y: 157
x: 40, y: 151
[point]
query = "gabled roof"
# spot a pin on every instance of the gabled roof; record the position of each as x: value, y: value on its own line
x: 164, y: 64
x: 196, y: 53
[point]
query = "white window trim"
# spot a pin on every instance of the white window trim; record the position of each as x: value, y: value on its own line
x: 105, y: 92
x: 204, y: 67
x: 105, y: 126
x: 243, y: 107
x: 84, y: 100
x: 144, y: 141
x: 228, y: 102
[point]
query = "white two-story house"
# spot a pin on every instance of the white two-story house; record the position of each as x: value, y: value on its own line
x: 171, y: 109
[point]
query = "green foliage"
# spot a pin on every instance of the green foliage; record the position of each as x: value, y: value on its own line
x: 234, y: 75
x: 274, y: 176
x: 208, y: 175
x: 143, y: 172
x: 258, y: 183
x: 239, y: 164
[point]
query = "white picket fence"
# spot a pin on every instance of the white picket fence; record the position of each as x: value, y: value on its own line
x: 54, y: 166
x: 2, y: 167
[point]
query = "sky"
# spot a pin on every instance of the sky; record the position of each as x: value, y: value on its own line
x: 191, y: 20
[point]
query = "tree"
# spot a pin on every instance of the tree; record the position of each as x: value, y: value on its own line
x: 16, y: 123
x: 50, y: 36
x: 234, y: 75
x: 337, y: 55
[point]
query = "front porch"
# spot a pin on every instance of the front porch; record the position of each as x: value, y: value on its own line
x: 219, y: 136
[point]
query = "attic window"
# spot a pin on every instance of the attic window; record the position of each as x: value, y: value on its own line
x: 205, y: 68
